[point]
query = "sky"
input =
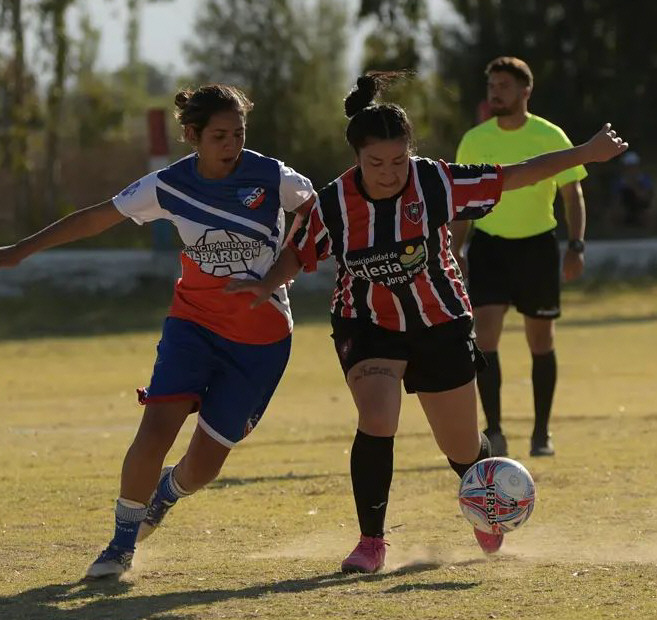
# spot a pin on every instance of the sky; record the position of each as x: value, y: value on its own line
x: 165, y: 27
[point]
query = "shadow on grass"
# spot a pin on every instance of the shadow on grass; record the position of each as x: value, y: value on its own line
x: 609, y: 320
x: 596, y: 321
x: 110, y: 599
x: 432, y: 587
x: 222, y: 483
x: 46, y: 312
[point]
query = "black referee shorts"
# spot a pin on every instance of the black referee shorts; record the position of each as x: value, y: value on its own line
x: 440, y: 358
x: 524, y: 273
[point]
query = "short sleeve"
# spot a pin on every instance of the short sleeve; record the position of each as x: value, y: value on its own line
x: 295, y: 189
x: 559, y: 141
x: 312, y: 242
x: 474, y: 189
x: 463, y: 155
x: 139, y: 201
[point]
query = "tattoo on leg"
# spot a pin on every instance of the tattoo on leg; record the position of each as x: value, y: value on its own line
x: 369, y: 371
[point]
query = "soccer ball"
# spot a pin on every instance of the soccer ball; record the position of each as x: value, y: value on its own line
x: 497, y: 495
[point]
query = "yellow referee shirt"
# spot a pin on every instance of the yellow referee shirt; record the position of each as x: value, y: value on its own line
x: 522, y: 212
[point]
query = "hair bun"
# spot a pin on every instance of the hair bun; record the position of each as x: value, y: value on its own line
x: 368, y: 84
x: 362, y: 95
x: 182, y: 99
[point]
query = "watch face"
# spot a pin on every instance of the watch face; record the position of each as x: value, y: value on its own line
x: 576, y: 245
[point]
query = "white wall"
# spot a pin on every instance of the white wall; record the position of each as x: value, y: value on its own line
x: 122, y: 270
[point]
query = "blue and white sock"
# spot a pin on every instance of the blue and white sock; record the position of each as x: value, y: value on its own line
x: 169, y: 489
x: 128, y: 515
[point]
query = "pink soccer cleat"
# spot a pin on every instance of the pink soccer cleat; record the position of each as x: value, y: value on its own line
x: 489, y: 543
x: 369, y: 556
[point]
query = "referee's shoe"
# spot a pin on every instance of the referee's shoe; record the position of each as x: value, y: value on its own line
x: 497, y: 441
x: 541, y: 446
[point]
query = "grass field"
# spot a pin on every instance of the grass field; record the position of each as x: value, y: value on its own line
x: 266, y: 539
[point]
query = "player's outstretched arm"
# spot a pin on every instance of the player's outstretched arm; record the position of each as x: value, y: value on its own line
x: 603, y: 146
x: 83, y: 223
x: 282, y: 271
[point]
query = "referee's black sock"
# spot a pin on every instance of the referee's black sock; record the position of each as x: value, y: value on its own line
x: 544, y: 380
x: 489, y: 383
x: 484, y: 453
x: 371, y: 476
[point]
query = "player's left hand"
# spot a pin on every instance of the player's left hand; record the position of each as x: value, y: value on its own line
x: 573, y: 265
x: 605, y: 145
x: 261, y: 292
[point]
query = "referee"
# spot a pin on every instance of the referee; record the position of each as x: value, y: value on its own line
x: 513, y: 256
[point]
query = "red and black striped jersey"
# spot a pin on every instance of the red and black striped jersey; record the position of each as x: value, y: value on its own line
x: 394, y: 264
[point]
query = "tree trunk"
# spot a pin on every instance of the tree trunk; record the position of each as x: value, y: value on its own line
x: 135, y: 74
x: 17, y: 149
x: 55, y: 101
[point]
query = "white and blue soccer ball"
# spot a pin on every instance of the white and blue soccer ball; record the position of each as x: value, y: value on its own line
x: 497, y: 495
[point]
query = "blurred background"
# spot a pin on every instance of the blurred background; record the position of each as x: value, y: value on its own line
x: 81, y: 79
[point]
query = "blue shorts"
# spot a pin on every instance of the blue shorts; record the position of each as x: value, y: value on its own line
x: 230, y: 383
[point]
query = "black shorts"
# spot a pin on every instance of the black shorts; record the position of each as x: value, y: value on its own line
x: 439, y: 358
x: 524, y: 273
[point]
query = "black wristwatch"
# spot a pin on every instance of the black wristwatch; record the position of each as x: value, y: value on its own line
x: 576, y: 245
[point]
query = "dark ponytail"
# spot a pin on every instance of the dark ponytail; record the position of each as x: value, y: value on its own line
x: 378, y: 121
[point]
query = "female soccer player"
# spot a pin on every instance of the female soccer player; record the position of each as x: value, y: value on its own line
x: 399, y: 311
x: 215, y: 356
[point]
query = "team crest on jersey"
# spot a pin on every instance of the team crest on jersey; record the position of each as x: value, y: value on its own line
x: 131, y: 189
x: 251, y: 197
x: 413, y: 211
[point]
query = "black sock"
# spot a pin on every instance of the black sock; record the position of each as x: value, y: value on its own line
x: 489, y: 383
x: 484, y: 453
x: 371, y: 475
x: 544, y: 380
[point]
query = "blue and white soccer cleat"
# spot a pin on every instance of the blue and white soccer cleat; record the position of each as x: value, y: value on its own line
x: 112, y: 562
x: 157, y: 510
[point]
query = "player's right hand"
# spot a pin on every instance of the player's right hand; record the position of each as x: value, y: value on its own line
x: 10, y: 256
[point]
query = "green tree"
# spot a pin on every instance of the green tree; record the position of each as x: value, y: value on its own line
x: 137, y: 75
x: 17, y: 108
x: 396, y: 42
x: 593, y: 60
x: 55, y: 38
x: 401, y: 39
x: 289, y: 56
x: 94, y: 104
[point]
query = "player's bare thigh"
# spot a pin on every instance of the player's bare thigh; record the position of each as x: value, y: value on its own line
x: 375, y: 385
